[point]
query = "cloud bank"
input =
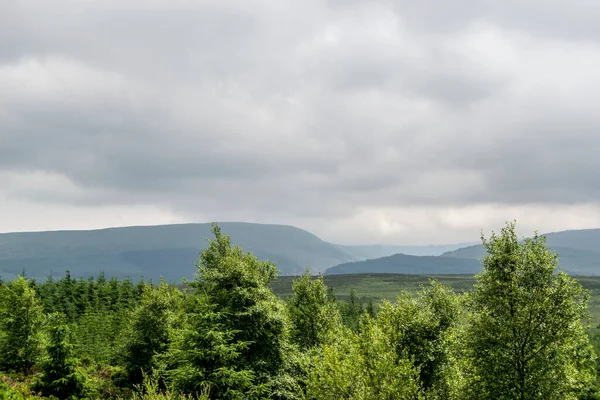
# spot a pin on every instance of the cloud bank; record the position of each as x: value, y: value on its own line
x: 364, y: 122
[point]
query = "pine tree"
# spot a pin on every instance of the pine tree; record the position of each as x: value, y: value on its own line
x: 66, y: 299
x: 236, y: 335
x: 370, y: 309
x: 60, y: 376
x: 352, y: 311
x: 48, y: 295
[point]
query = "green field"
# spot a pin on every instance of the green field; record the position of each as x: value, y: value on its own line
x: 388, y: 286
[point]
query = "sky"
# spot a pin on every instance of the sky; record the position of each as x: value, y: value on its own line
x: 382, y: 121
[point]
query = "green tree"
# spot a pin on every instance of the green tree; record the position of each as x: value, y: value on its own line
x: 208, y: 354
x: 236, y: 335
x: 420, y: 328
x: 150, y: 329
x: 370, y: 309
x: 21, y: 317
x: 360, y: 365
x: 526, y: 339
x: 48, y: 295
x: 94, y: 335
x: 60, y: 376
x: 66, y: 296
x: 352, y: 311
x: 312, y: 313
x: 127, y: 294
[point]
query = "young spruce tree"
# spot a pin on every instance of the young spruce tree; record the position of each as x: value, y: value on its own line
x: 60, y: 377
x: 236, y: 335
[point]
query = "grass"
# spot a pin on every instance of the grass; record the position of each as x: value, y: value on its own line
x: 376, y: 286
x: 388, y: 286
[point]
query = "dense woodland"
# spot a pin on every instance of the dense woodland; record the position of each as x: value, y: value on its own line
x: 519, y: 334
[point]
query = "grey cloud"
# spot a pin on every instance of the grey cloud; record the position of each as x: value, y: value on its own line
x: 574, y: 20
x: 304, y: 110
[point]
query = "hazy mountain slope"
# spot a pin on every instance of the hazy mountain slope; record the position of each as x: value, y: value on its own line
x: 170, y: 250
x: 475, y: 252
x: 579, y: 255
x: 579, y: 250
x: 585, y: 239
x: 406, y: 264
x: 377, y: 251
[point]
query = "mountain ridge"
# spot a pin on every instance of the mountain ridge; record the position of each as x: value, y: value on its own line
x: 170, y: 250
x: 578, y: 250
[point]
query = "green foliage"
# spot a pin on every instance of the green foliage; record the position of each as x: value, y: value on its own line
x: 352, y: 310
x: 419, y: 329
x: 10, y: 393
x: 360, y: 366
x: 525, y: 339
x: 21, y: 317
x: 312, y: 312
x: 150, y: 329
x: 98, y: 309
x: 208, y: 354
x: 60, y: 376
x: 236, y: 331
x: 150, y: 389
x: 95, y: 335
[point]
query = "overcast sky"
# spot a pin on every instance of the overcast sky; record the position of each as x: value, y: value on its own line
x: 405, y: 122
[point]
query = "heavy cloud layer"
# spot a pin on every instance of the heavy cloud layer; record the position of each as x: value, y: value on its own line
x: 383, y: 121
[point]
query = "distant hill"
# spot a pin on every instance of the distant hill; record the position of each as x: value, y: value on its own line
x: 171, y: 250
x: 476, y: 252
x: 377, y: 251
x: 579, y: 251
x: 152, y: 251
x: 406, y: 264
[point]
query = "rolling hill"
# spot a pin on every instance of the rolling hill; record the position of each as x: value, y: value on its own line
x: 406, y: 264
x: 376, y: 251
x: 172, y: 250
x: 152, y: 251
x: 579, y: 251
